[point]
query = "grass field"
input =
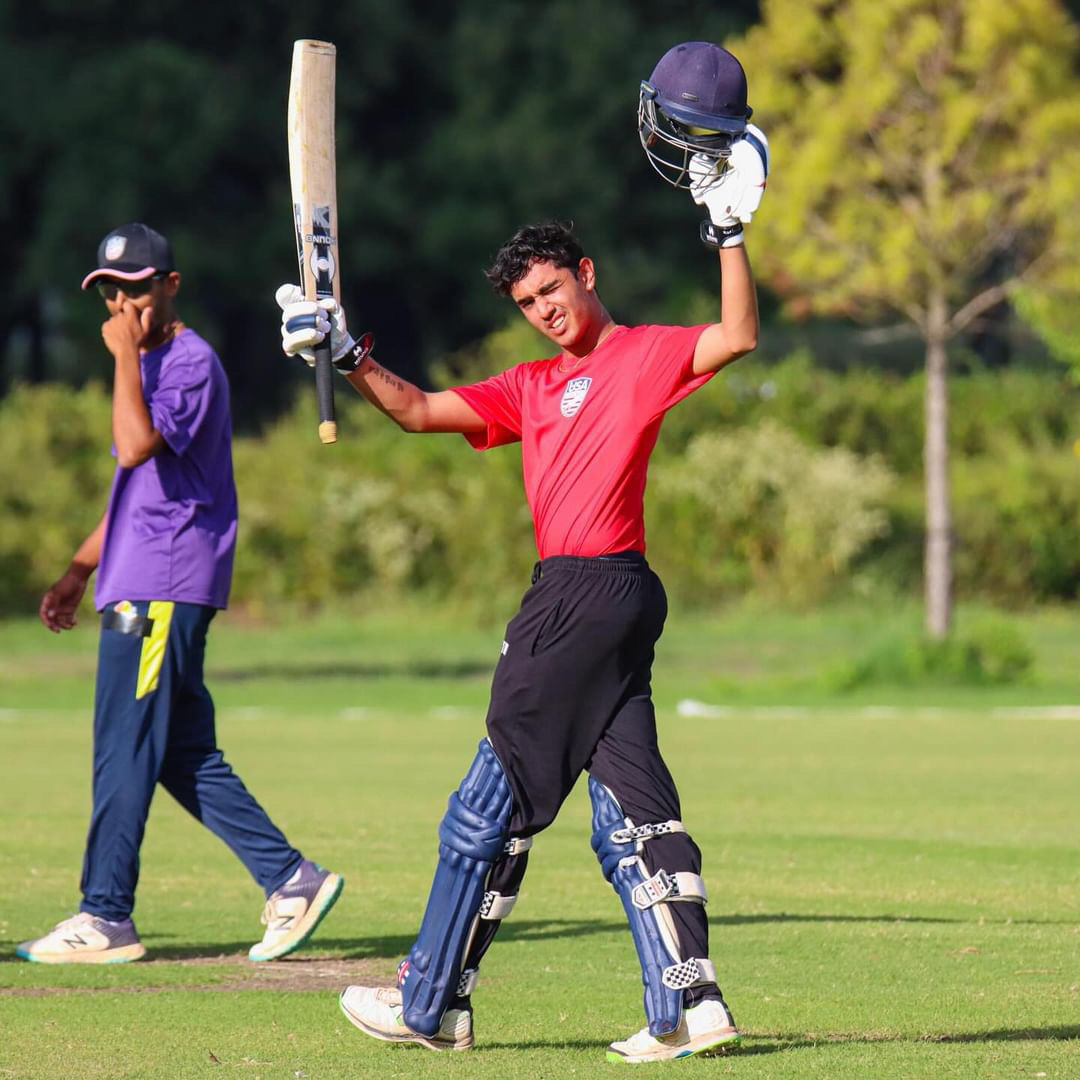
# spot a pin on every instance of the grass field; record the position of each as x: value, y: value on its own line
x: 894, y: 874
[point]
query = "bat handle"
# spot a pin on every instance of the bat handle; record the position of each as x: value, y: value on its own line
x: 324, y: 392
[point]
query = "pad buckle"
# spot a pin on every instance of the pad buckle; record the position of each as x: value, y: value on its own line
x: 659, y: 887
x: 516, y: 845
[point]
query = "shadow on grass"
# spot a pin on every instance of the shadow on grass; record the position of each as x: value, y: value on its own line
x: 1063, y: 1032
x: 798, y: 1040
x: 413, y: 669
x: 779, y: 1042
x: 395, y: 946
x: 744, y: 1049
x: 388, y: 948
x: 795, y: 917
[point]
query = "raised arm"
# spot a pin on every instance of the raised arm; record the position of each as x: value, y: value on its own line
x: 411, y: 408
x: 736, y: 333
x: 731, y: 191
x: 134, y: 434
x: 305, y: 323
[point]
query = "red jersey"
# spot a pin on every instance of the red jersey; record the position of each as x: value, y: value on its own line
x: 586, y: 434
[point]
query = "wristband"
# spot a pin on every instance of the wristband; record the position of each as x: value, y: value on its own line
x: 721, y: 236
x: 350, y: 360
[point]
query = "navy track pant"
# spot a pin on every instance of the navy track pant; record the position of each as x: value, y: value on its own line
x: 572, y: 692
x: 154, y: 722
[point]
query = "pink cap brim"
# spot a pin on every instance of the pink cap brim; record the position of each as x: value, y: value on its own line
x: 121, y: 275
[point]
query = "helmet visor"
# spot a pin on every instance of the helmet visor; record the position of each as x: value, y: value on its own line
x: 669, y: 142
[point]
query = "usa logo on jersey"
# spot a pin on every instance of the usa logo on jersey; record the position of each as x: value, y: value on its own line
x: 574, y: 396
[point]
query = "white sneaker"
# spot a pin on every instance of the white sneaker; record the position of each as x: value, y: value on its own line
x: 704, y: 1029
x: 85, y: 939
x: 377, y: 1011
x: 293, y: 912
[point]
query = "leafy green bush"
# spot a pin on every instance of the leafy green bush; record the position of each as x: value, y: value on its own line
x: 877, y: 412
x: 380, y: 515
x: 770, y: 511
x: 786, y: 480
x: 1017, y: 523
x: 55, y: 471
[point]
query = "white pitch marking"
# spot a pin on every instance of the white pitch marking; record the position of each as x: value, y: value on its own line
x: 688, y: 707
x: 1037, y: 712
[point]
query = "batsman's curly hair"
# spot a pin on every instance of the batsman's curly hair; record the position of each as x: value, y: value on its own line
x: 550, y: 241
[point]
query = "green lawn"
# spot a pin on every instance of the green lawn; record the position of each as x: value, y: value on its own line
x: 894, y: 875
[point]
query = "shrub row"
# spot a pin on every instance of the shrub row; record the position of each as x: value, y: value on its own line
x: 786, y: 480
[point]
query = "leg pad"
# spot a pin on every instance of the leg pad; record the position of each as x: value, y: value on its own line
x: 618, y: 843
x: 472, y: 836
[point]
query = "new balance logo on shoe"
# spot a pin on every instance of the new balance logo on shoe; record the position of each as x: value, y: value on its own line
x: 295, y: 910
x: 85, y: 939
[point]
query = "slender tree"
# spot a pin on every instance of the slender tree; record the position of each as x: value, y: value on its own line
x: 927, y: 166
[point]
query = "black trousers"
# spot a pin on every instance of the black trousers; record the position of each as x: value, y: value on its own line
x: 572, y: 692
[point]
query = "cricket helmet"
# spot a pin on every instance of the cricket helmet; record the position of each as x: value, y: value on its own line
x: 693, y: 103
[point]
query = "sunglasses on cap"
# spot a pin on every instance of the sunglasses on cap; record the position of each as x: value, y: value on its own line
x: 130, y: 289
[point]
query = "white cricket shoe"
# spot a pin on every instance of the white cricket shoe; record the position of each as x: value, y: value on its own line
x: 377, y: 1012
x: 293, y: 912
x: 85, y: 939
x: 704, y: 1029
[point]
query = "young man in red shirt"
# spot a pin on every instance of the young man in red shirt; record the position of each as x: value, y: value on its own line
x: 571, y: 690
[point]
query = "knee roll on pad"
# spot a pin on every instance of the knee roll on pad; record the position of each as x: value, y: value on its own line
x: 472, y: 836
x: 618, y: 844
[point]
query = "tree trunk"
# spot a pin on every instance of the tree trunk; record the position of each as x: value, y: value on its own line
x: 937, y: 563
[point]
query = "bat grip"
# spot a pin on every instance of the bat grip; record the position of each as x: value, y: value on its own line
x: 324, y: 392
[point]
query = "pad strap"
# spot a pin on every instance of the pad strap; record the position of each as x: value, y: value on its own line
x: 634, y: 834
x: 670, y: 887
x: 693, y: 972
x: 496, y: 906
x: 493, y: 906
x: 517, y: 845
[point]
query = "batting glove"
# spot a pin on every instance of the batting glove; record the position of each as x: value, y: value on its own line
x: 305, y: 324
x: 732, y: 189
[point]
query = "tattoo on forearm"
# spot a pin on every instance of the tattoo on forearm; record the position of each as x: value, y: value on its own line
x: 371, y: 368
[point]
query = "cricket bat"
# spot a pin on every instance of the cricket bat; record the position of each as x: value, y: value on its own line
x: 313, y: 176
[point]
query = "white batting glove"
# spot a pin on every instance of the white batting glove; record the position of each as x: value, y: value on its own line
x: 732, y: 189
x: 305, y: 324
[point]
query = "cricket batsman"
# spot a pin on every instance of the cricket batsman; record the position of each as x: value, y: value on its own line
x: 572, y: 688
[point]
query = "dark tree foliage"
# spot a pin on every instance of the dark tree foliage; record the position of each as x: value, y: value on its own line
x: 456, y: 123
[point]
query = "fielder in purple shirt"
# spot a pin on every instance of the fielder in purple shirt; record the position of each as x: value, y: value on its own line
x: 170, y: 529
x: 164, y: 555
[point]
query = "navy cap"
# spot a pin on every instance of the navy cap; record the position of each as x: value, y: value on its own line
x: 131, y: 253
x: 701, y: 84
